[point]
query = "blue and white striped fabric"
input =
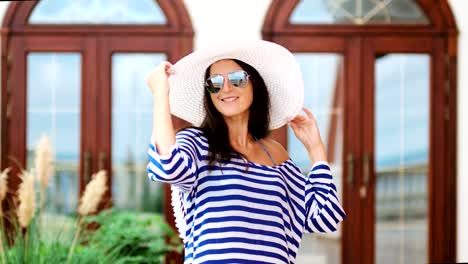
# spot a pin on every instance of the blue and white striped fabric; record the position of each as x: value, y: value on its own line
x: 257, y: 216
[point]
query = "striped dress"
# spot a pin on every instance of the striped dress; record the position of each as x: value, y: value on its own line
x: 226, y: 214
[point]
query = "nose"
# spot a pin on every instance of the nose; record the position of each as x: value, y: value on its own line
x: 226, y: 85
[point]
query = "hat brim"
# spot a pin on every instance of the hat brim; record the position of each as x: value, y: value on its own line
x: 277, y: 66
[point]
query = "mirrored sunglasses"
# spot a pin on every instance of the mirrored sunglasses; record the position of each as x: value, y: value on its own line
x: 237, y: 79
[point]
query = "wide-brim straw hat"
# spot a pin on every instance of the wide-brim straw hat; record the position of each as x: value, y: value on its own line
x: 276, y: 65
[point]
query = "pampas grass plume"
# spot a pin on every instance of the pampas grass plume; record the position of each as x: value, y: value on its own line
x: 27, y: 198
x: 3, y: 184
x: 44, y: 169
x: 3, y: 192
x: 89, y: 202
x: 93, y: 193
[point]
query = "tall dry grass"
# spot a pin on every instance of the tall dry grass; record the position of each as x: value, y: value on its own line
x: 3, y: 187
x: 93, y: 194
x: 43, y: 169
x: 89, y: 203
x: 3, y: 192
x: 27, y: 206
x: 27, y: 199
x: 42, y: 172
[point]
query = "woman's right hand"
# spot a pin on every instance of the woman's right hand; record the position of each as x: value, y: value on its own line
x: 157, y: 79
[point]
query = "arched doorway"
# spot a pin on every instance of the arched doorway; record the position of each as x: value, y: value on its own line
x: 380, y: 79
x: 75, y: 70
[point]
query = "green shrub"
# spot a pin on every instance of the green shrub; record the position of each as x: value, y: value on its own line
x: 122, y: 237
x: 132, y: 237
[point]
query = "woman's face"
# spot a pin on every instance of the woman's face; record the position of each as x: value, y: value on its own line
x: 243, y: 97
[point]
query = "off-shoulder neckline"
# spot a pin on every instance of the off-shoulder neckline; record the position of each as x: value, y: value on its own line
x: 288, y: 161
x: 274, y: 166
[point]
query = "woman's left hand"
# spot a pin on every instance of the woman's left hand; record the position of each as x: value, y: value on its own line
x: 306, y: 130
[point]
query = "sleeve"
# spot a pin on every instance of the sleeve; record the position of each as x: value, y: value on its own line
x: 180, y: 166
x: 323, y: 209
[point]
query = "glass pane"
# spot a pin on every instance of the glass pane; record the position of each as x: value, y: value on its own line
x: 358, y: 12
x: 132, y: 106
x: 97, y: 12
x: 402, y: 149
x: 53, y: 109
x: 323, y: 77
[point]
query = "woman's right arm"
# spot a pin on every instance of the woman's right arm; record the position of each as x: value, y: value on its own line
x: 171, y: 159
x: 163, y: 130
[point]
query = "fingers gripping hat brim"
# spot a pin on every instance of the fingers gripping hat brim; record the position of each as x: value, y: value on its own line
x: 277, y: 66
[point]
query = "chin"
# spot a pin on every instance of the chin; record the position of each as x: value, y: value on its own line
x: 230, y: 113
x: 233, y: 112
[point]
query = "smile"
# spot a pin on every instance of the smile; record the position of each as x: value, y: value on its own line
x: 229, y: 99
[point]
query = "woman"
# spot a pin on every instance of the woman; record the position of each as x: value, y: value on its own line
x: 237, y: 196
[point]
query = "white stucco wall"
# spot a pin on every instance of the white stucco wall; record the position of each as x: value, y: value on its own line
x: 217, y: 21
x: 230, y: 20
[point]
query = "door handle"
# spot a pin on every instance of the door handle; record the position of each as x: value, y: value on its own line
x: 366, y: 174
x: 102, y: 160
x: 350, y: 168
x: 87, y: 167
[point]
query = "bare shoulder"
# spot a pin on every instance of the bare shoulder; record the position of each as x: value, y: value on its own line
x: 280, y: 154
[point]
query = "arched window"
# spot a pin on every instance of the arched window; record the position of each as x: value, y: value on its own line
x: 75, y: 71
x: 358, y: 12
x: 379, y: 77
x: 97, y: 12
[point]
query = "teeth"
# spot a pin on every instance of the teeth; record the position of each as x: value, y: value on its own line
x: 229, y: 99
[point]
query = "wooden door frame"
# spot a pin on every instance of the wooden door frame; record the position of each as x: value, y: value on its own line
x: 350, y: 50
x: 441, y: 243
x: 442, y: 32
x: 175, y: 37
x: 16, y: 119
x: 119, y: 44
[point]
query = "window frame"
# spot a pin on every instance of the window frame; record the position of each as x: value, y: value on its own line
x: 358, y: 44
x: 175, y: 38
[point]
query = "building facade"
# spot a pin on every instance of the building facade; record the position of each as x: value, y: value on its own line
x: 383, y: 78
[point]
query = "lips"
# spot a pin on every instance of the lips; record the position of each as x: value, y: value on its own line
x: 230, y: 99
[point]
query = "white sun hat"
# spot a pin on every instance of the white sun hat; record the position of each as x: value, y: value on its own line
x: 276, y: 65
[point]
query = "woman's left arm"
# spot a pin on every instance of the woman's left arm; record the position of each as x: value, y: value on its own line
x: 323, y: 209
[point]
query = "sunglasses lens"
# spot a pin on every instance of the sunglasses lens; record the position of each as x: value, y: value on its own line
x: 214, y: 84
x: 238, y: 78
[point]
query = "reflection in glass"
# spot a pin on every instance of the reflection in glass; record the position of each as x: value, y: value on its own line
x: 97, y: 12
x: 53, y: 109
x: 323, y: 79
x: 358, y: 12
x: 402, y: 147
x: 132, y: 106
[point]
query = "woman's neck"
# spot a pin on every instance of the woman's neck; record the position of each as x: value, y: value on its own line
x: 239, y: 135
